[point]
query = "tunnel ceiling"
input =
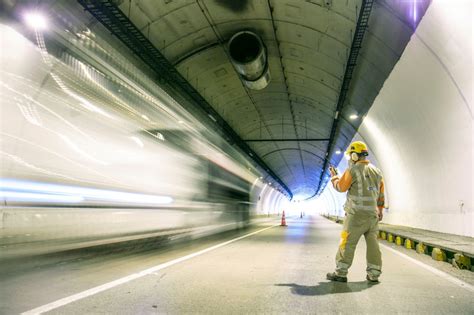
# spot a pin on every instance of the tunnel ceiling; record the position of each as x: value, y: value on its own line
x: 308, y: 44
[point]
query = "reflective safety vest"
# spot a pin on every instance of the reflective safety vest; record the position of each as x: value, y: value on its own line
x: 366, y: 192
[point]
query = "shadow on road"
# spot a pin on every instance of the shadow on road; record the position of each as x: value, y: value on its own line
x: 324, y: 288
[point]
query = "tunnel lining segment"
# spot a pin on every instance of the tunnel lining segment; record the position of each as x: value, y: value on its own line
x: 108, y: 14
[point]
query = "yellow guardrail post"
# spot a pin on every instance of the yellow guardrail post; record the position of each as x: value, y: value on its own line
x: 462, y: 262
x: 390, y: 238
x: 408, y: 244
x: 399, y: 241
x: 420, y: 248
x: 438, y: 254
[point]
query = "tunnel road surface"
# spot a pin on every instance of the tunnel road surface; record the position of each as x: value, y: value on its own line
x: 267, y: 269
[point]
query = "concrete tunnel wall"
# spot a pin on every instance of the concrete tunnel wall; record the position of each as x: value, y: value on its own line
x: 271, y: 202
x: 420, y: 127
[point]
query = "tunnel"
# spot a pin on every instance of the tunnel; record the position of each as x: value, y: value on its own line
x: 236, y: 157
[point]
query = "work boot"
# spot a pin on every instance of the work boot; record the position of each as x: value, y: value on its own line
x: 372, y: 279
x: 333, y: 277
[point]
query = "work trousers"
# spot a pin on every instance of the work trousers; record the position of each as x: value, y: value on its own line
x: 356, y: 225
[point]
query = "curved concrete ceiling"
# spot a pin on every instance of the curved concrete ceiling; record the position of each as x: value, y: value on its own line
x: 308, y: 45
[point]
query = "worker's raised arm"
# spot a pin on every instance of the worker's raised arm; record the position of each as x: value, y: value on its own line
x: 344, y: 183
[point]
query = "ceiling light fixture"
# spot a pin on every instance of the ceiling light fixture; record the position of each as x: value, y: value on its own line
x: 353, y: 116
x: 36, y: 21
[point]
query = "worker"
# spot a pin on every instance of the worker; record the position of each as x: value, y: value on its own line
x: 364, y: 209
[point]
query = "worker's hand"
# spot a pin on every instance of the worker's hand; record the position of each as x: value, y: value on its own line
x: 380, y: 214
x: 332, y: 171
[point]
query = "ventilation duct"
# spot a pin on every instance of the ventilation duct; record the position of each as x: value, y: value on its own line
x: 249, y: 57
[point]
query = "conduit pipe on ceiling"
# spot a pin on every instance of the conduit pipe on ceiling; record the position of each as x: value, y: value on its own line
x: 248, y: 55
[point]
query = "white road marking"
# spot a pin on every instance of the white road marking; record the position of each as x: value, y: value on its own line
x: 437, y: 272
x: 109, y: 285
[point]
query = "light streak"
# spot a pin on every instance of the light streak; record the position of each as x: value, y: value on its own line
x: 19, y: 190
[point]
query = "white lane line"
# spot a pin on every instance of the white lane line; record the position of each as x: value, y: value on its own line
x: 437, y: 272
x: 109, y: 285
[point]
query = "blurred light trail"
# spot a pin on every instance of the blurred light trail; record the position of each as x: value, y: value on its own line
x: 38, y: 197
x: 18, y: 190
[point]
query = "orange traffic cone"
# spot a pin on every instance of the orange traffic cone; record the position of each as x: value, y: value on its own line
x: 283, y: 219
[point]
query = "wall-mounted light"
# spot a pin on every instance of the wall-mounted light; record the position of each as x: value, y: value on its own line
x: 36, y: 20
x: 338, y: 152
x: 353, y: 116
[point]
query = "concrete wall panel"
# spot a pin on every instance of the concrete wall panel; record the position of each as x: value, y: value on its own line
x: 420, y: 127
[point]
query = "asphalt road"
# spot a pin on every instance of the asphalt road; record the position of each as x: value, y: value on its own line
x: 277, y: 270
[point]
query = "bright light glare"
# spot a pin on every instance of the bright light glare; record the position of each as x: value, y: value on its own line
x: 353, y: 116
x: 338, y: 152
x: 415, y: 12
x: 17, y: 190
x: 36, y: 21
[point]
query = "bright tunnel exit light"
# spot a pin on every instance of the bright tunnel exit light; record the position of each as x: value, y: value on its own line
x: 36, y: 21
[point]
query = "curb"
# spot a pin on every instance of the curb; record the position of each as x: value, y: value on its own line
x: 459, y: 260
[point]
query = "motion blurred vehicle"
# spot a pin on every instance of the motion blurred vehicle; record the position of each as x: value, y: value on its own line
x: 94, y: 152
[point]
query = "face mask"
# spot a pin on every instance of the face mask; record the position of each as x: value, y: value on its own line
x: 354, y: 157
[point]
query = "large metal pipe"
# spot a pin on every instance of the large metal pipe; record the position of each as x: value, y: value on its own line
x: 249, y: 57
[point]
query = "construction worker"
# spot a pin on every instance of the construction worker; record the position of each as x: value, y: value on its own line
x: 364, y: 209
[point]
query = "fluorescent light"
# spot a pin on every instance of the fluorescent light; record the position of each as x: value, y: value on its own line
x: 36, y: 21
x: 415, y: 12
x: 353, y: 116
x: 338, y: 152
